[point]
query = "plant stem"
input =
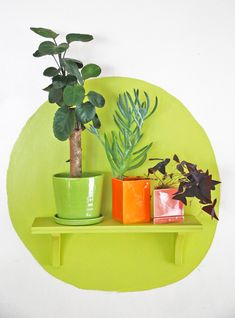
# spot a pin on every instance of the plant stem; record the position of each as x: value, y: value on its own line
x: 56, y: 61
x: 75, y: 153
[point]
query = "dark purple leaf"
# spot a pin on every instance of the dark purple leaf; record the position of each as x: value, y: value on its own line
x: 181, y: 198
x: 161, y: 167
x: 180, y: 168
x: 210, y: 209
x: 176, y: 158
x: 214, y: 183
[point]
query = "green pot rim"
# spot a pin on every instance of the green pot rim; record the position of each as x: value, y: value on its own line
x: 85, y: 175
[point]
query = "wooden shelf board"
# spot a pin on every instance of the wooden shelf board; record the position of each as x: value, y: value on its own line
x: 47, y: 225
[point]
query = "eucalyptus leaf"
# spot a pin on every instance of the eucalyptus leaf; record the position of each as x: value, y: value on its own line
x: 73, y: 95
x: 96, y: 99
x: 85, y: 112
x: 64, y: 123
x: 71, y: 37
x: 46, y: 33
x: 47, y: 48
x: 55, y: 95
x: 51, y: 71
x: 90, y: 70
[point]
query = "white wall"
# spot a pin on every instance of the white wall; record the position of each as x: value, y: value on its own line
x: 186, y: 47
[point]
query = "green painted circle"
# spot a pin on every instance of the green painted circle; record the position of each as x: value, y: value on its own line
x: 121, y: 262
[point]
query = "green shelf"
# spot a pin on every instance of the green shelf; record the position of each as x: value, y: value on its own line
x: 47, y: 225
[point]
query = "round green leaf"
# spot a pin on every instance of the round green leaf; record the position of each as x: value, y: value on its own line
x: 72, y: 68
x: 47, y: 48
x: 51, y: 71
x: 61, y: 103
x: 85, y: 112
x: 48, y: 88
x: 96, y: 122
x: 71, y: 80
x: 71, y: 37
x: 61, y: 48
x: 46, y: 33
x: 73, y: 95
x: 79, y: 63
x: 90, y: 70
x: 37, y: 54
x: 55, y: 95
x: 59, y: 81
x: 96, y: 99
x: 64, y: 123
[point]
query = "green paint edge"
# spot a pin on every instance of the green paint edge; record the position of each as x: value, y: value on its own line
x: 151, y: 256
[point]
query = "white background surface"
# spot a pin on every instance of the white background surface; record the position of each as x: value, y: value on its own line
x: 186, y: 47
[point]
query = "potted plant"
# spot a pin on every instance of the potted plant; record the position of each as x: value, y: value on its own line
x: 130, y: 195
x: 173, y: 189
x: 77, y: 194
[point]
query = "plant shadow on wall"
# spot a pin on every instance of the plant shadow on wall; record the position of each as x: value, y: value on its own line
x: 76, y: 108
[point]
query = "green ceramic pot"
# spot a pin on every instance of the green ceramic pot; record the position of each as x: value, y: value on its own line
x: 78, y: 198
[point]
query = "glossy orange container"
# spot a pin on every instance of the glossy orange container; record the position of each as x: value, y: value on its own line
x: 131, y: 200
x: 166, y: 209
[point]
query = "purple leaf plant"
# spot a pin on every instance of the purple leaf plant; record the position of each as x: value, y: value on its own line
x: 191, y: 181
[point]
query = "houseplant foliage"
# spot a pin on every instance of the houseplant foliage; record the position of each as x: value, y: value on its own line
x: 191, y: 181
x: 76, y: 106
x: 78, y: 195
x: 121, y: 145
x: 130, y: 196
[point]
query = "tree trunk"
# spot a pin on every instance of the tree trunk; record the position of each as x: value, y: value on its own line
x: 75, y: 154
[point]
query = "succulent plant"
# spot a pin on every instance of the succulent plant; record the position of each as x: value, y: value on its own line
x: 121, y: 145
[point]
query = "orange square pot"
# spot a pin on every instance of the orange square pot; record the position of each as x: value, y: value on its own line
x: 131, y: 200
x: 166, y: 209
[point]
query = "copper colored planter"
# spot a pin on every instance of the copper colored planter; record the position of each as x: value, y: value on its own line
x: 166, y: 209
x: 131, y: 200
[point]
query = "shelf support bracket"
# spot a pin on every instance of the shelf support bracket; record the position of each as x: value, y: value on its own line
x: 56, y: 244
x: 179, y: 248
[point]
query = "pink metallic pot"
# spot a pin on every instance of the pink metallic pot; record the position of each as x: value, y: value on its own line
x: 166, y: 209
